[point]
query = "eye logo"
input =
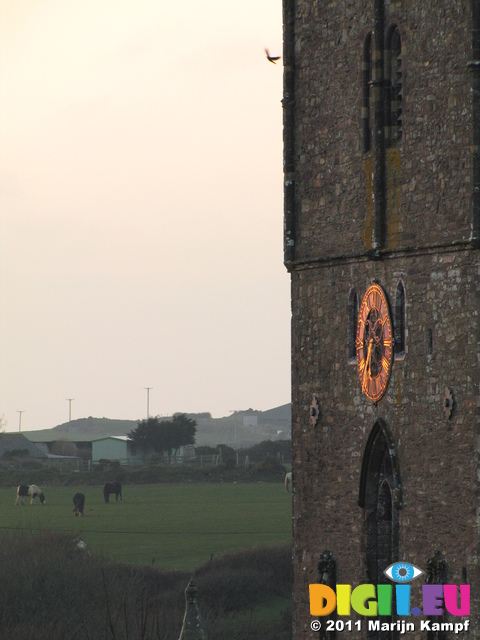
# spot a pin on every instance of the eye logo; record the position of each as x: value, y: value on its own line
x: 402, y: 572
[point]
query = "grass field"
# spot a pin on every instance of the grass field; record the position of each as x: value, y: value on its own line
x: 177, y: 525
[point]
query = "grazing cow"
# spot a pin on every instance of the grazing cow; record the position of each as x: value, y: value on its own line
x: 112, y: 487
x: 78, y: 503
x: 288, y: 481
x: 31, y: 491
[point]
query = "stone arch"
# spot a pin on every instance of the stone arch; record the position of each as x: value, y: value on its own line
x: 380, y: 496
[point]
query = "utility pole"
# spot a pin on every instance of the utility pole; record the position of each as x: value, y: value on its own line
x: 70, y: 408
x: 20, y: 419
x: 148, y: 401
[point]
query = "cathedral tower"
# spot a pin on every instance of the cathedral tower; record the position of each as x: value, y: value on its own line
x: 382, y: 237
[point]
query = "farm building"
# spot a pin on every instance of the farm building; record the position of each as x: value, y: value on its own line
x: 17, y: 444
x: 280, y: 417
x: 16, y: 449
x: 91, y: 449
x: 53, y: 444
x: 122, y: 449
x: 115, y: 448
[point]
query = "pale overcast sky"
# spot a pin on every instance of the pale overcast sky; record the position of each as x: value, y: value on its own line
x: 140, y: 209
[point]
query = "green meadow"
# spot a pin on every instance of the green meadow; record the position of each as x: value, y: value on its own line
x: 174, y: 526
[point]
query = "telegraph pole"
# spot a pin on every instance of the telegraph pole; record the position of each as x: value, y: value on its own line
x: 70, y: 408
x: 148, y: 401
x: 20, y: 419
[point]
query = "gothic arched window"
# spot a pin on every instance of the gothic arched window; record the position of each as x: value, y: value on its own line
x: 367, y: 111
x: 393, y: 86
x: 399, y: 325
x: 380, y: 497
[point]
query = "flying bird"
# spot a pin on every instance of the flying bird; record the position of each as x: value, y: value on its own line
x: 271, y: 58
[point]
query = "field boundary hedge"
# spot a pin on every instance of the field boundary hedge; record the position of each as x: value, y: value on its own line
x: 267, y: 471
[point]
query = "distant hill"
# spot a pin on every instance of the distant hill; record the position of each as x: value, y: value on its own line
x: 83, y: 429
x: 245, y: 428
x: 241, y: 429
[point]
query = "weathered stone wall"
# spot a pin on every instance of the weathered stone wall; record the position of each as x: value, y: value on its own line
x: 432, y: 172
x: 437, y: 455
x: 429, y: 218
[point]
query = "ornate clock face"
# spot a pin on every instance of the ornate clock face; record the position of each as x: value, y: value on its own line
x: 374, y: 343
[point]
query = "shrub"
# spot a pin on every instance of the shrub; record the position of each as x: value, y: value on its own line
x: 225, y: 452
x: 206, y: 451
x: 16, y: 453
x: 271, y: 448
x: 269, y: 468
x: 233, y: 586
x: 230, y: 463
x: 50, y: 590
x: 238, y: 580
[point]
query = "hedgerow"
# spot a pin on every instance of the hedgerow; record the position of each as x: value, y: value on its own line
x: 53, y: 590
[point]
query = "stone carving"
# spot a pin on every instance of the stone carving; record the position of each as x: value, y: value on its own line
x: 327, y: 574
x: 326, y: 570
x: 314, y: 411
x: 436, y: 569
x: 448, y: 402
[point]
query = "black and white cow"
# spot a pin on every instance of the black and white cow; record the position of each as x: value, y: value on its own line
x: 112, y: 487
x: 79, y: 503
x: 29, y: 491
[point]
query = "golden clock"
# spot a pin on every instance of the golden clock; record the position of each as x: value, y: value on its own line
x: 374, y: 343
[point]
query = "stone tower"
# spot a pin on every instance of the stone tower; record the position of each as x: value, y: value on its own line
x: 382, y: 237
